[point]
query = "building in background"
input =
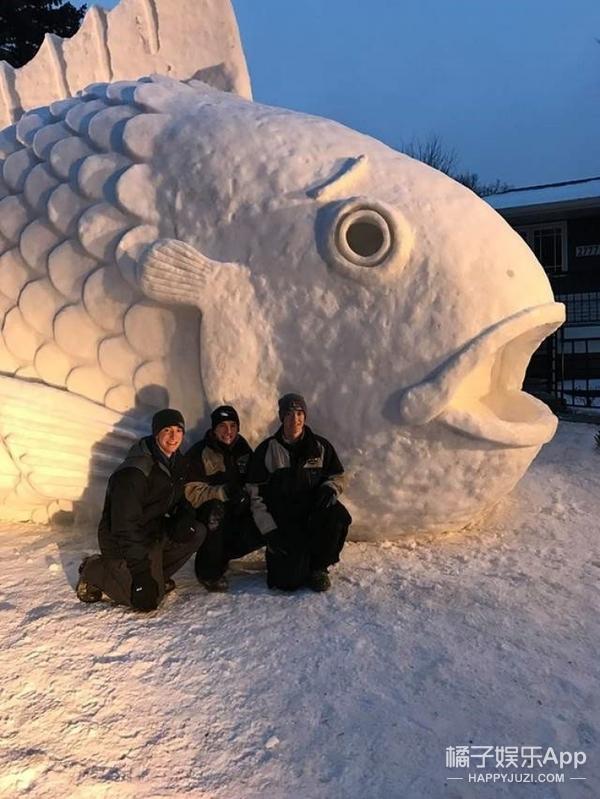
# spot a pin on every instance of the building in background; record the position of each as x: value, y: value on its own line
x: 561, y: 224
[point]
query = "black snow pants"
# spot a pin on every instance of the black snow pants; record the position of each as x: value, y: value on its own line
x: 312, y: 543
x: 229, y: 536
x: 113, y: 577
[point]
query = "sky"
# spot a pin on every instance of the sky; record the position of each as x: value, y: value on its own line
x: 512, y: 86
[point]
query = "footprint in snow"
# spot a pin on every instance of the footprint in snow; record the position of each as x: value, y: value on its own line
x: 40, y: 612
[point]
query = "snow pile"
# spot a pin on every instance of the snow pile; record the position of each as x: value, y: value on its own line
x: 488, y: 636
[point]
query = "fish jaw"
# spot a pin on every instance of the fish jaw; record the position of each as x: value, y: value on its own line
x: 477, y: 391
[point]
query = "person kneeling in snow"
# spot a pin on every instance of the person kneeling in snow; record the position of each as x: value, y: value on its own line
x: 295, y: 480
x: 215, y: 486
x: 147, y: 530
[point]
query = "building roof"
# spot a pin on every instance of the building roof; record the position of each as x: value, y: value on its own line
x: 571, y: 192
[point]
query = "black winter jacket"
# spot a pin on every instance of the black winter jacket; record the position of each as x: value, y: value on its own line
x: 213, y: 465
x: 284, y: 478
x: 140, y: 492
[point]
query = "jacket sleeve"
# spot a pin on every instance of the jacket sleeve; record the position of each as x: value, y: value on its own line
x: 198, y: 492
x: 198, y: 488
x: 127, y: 492
x: 333, y: 471
x: 258, y: 476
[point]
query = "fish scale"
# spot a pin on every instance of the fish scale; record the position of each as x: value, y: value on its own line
x: 71, y: 175
x: 63, y: 300
x: 83, y: 356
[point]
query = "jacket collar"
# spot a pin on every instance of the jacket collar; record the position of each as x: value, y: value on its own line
x: 144, y: 454
x: 305, y: 447
x: 210, y: 440
x: 159, y: 457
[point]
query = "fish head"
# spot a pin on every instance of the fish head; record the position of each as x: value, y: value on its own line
x: 398, y: 302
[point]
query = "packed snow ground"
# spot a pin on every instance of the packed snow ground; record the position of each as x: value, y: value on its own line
x: 487, y: 637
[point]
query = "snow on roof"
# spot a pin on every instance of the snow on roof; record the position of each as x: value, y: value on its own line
x: 569, y: 191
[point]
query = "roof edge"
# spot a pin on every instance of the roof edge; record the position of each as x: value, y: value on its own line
x: 544, y: 186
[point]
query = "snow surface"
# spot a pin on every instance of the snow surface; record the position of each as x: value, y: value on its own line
x: 584, y: 190
x: 488, y: 636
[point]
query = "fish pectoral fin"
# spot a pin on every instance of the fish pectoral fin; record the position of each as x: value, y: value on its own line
x: 174, y: 272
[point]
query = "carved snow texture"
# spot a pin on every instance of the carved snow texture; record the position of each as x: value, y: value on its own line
x: 54, y: 455
x: 186, y: 39
x: 77, y: 212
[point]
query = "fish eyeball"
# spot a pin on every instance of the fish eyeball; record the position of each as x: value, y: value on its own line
x: 363, y: 232
x: 364, y: 237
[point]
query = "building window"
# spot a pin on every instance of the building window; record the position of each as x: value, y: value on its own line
x: 549, y: 243
x: 582, y: 308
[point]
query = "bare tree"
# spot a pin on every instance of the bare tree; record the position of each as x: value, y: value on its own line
x: 471, y: 181
x: 433, y: 151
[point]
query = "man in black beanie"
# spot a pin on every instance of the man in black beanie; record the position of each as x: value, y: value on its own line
x: 295, y: 479
x: 215, y: 487
x: 147, y: 530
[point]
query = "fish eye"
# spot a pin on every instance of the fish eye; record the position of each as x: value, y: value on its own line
x: 364, y: 237
x: 361, y: 232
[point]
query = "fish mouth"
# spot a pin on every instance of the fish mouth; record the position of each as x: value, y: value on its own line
x: 477, y: 390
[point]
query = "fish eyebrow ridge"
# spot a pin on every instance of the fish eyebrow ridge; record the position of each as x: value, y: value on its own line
x: 340, y: 181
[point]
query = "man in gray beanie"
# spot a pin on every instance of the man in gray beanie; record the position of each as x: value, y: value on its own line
x: 147, y: 530
x: 295, y: 480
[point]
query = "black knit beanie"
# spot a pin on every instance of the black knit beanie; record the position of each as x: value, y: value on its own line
x: 168, y: 417
x: 224, y: 413
x: 291, y: 402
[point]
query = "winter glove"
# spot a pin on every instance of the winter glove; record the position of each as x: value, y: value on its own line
x: 182, y: 525
x: 239, y: 498
x: 326, y: 497
x: 144, y: 592
x: 273, y: 542
x: 212, y: 514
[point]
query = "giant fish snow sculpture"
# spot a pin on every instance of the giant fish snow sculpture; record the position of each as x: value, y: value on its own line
x: 165, y: 241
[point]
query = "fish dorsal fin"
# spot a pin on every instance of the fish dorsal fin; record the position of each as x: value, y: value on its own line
x: 185, y: 40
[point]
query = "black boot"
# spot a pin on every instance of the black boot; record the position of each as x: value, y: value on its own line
x: 218, y: 584
x: 86, y: 592
x: 319, y: 581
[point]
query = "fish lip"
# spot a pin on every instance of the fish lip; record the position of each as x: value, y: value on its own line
x: 477, y: 390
